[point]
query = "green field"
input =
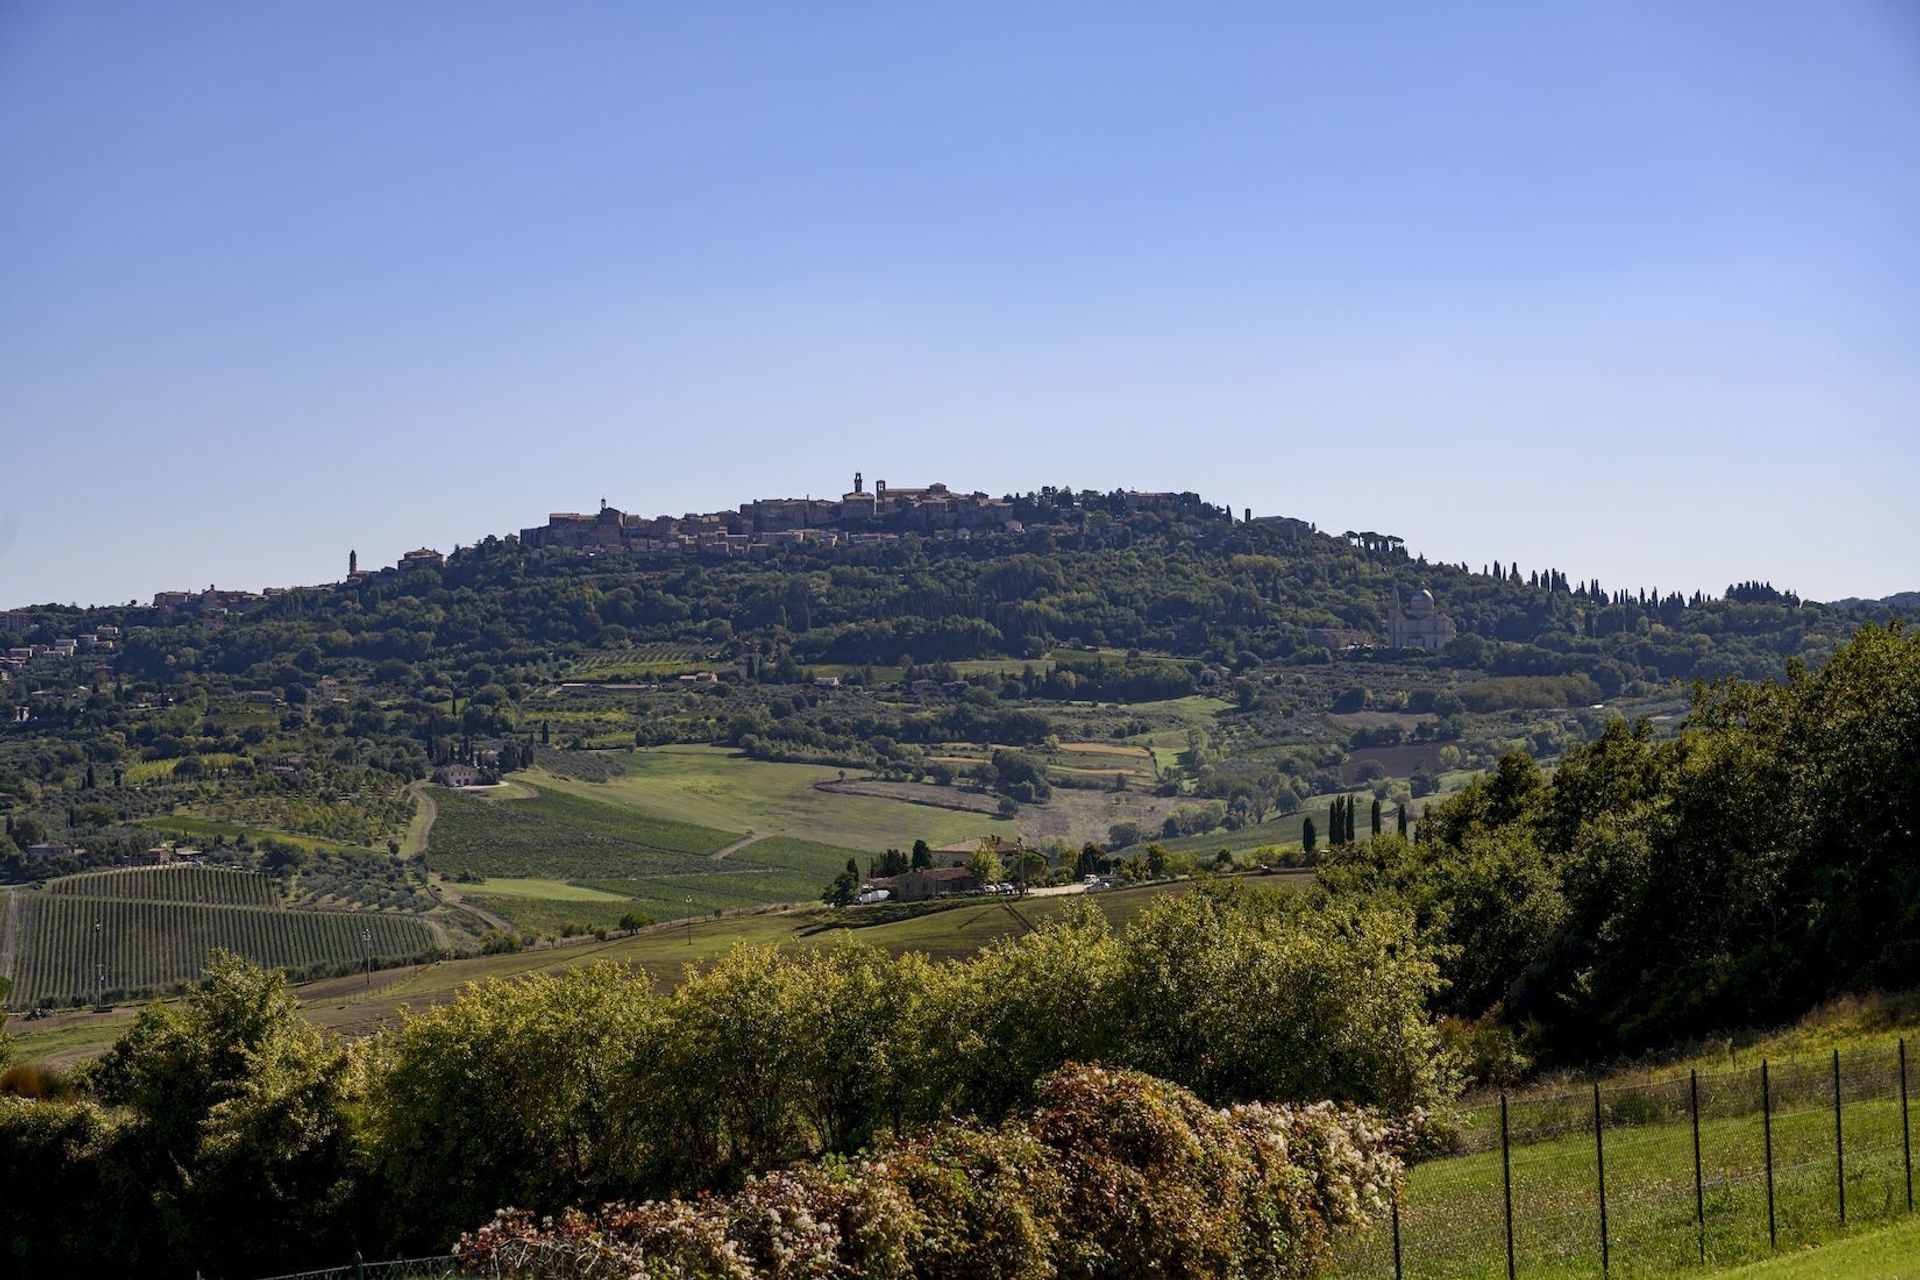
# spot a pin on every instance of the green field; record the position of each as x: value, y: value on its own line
x: 771, y: 871
x: 1890, y: 1253
x: 212, y: 885
x: 64, y: 938
x: 713, y: 788
x: 548, y: 890
x: 561, y: 836
x: 1452, y: 1214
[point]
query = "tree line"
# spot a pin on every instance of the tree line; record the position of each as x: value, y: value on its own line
x: 1646, y: 890
x: 224, y: 1134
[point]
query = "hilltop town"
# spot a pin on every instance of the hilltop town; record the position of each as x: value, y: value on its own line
x: 754, y: 530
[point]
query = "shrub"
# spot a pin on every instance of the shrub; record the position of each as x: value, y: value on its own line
x: 1112, y: 1173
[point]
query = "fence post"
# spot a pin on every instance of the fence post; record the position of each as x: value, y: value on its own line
x: 1394, y: 1204
x: 1839, y: 1142
x: 1506, y: 1180
x: 359, y: 1266
x: 1766, y: 1130
x: 1600, y: 1165
x: 1699, y: 1187
x: 1906, y: 1135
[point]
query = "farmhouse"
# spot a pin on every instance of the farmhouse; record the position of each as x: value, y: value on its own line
x: 930, y: 882
x: 457, y: 775
x: 960, y: 852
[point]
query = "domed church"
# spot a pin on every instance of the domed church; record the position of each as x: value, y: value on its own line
x: 1420, y: 625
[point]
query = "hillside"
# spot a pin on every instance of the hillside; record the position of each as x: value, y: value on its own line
x: 694, y: 723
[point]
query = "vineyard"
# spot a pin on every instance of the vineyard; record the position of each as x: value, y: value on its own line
x: 151, y: 946
x: 207, y: 885
x: 644, y: 660
x: 563, y: 837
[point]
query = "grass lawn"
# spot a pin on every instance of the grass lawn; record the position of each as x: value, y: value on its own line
x: 1889, y: 1253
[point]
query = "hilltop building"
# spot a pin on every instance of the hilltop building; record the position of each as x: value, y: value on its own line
x: 759, y: 526
x: 1420, y: 625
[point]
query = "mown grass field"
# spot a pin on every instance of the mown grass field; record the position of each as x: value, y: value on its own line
x: 714, y: 788
x: 1885, y: 1253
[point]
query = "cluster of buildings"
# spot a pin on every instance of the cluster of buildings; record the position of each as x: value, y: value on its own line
x: 103, y: 639
x: 861, y: 515
x: 213, y: 602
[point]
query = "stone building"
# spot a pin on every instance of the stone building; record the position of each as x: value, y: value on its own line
x: 1420, y: 625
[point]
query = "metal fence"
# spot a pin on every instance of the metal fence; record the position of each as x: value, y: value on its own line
x: 441, y: 1268
x: 1656, y: 1179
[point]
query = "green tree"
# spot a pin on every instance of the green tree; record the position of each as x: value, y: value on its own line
x: 241, y: 1141
x: 517, y: 1093
x: 983, y: 864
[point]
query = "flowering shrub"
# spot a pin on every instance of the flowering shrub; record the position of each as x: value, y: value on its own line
x: 1112, y: 1173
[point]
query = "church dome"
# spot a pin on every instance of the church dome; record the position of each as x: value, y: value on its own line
x: 1421, y: 605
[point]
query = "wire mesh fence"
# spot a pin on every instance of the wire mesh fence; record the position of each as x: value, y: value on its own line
x: 441, y: 1268
x: 1653, y: 1179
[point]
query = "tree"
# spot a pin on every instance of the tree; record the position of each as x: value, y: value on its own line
x: 922, y: 855
x: 1376, y: 817
x: 1401, y: 819
x: 241, y: 1136
x: 554, y: 1123
x: 983, y: 864
x: 845, y: 887
x: 1309, y: 837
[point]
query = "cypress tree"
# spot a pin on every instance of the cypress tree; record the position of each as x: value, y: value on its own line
x: 1402, y: 819
x: 1376, y: 817
x: 1309, y: 837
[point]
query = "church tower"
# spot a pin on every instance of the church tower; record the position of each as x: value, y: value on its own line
x: 353, y: 564
x: 857, y: 482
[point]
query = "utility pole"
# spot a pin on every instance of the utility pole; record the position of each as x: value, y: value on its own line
x: 99, y: 968
x: 366, y: 946
x: 689, y: 920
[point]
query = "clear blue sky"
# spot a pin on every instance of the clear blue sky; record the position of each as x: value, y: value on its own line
x: 1631, y: 289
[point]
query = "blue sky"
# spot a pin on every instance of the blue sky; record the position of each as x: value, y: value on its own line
x: 1628, y: 289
